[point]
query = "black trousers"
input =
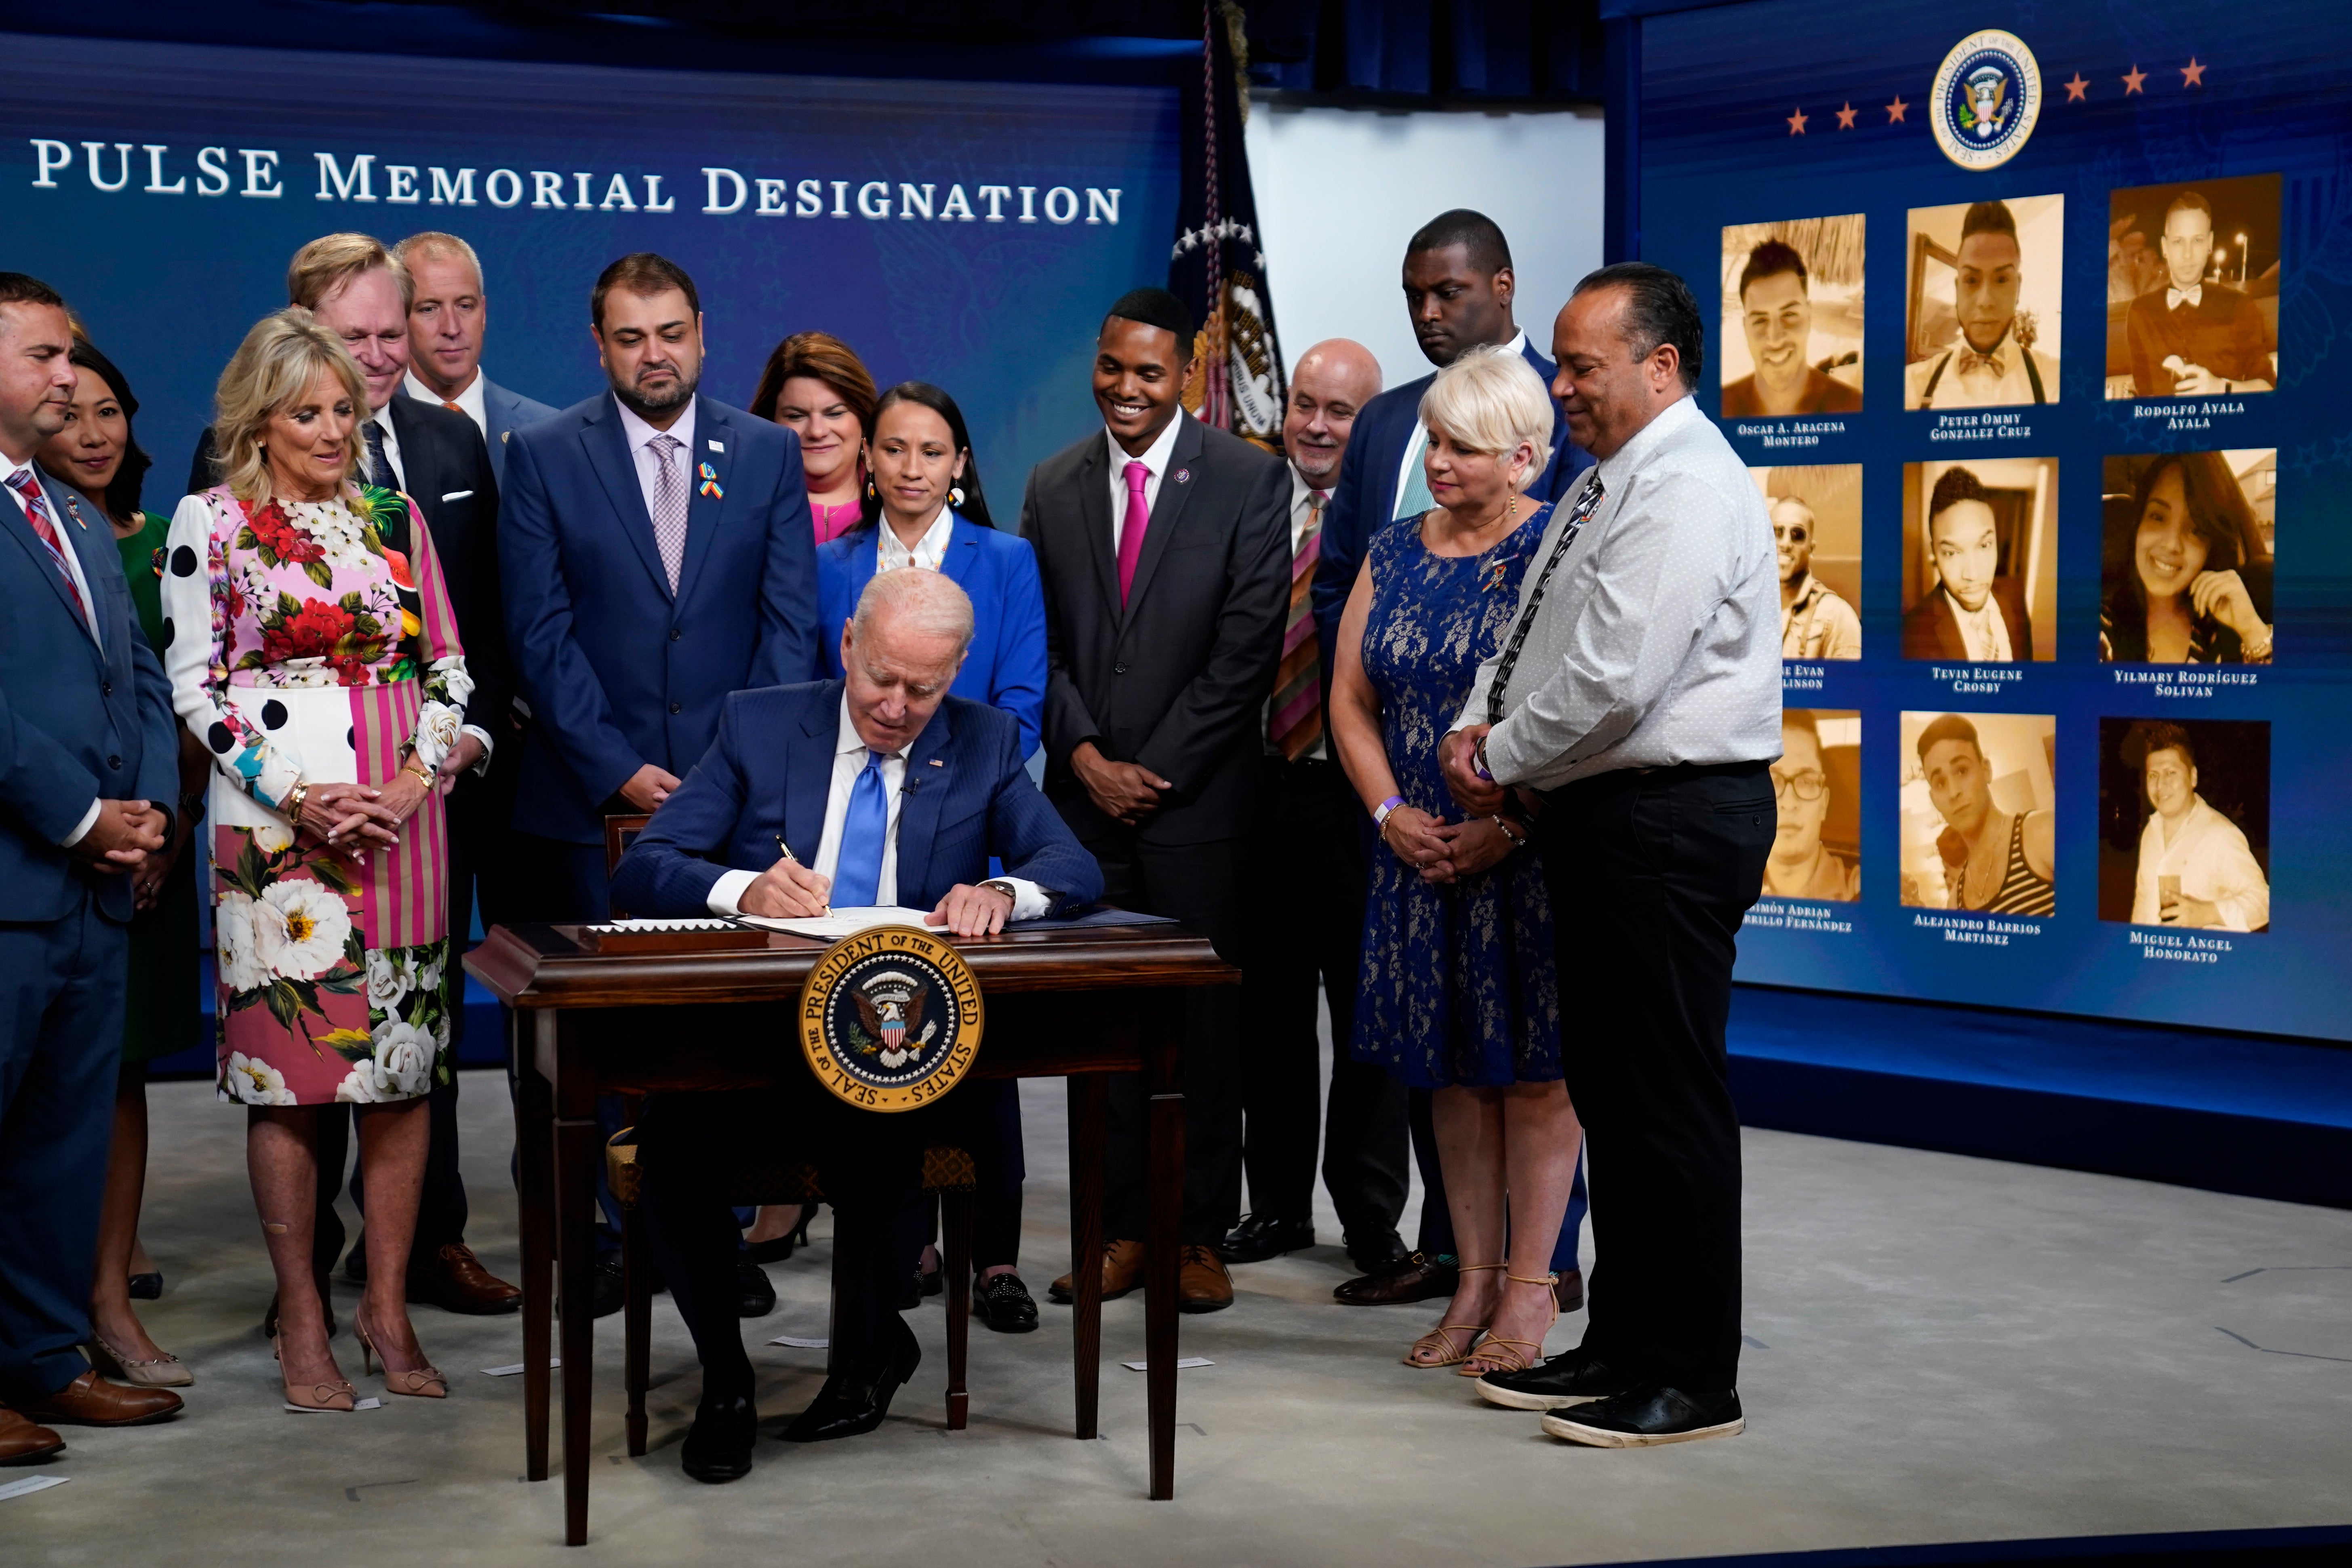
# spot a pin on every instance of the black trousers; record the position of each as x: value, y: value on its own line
x: 1194, y: 883
x: 1650, y: 873
x: 1304, y: 925
x: 441, y: 1209
x: 869, y: 1165
x: 984, y: 1115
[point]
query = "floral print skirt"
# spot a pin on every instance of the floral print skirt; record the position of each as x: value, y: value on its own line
x: 335, y: 978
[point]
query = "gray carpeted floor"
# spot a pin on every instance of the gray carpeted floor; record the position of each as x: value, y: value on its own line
x: 1941, y: 1349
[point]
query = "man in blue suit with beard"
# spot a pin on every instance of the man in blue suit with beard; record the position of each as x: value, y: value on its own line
x: 877, y: 789
x: 1458, y: 289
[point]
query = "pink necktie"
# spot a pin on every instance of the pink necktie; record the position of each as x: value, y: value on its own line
x: 1131, y: 534
x: 36, y: 512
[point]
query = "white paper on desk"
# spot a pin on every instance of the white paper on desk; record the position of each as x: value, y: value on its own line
x: 801, y: 1344
x: 840, y: 923
x: 1188, y: 1361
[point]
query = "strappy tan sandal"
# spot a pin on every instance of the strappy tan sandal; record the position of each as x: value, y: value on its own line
x: 1498, y: 1353
x: 1439, y: 1341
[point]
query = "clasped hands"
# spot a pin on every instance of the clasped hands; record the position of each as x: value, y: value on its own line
x: 125, y: 834
x: 790, y: 890
x: 352, y: 818
x: 1126, y: 792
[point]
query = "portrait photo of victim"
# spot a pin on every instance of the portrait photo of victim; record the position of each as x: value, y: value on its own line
x: 2186, y: 554
x: 1817, y: 851
x: 1981, y: 560
x: 1792, y: 317
x: 2185, y: 823
x: 2193, y: 289
x: 1978, y: 803
x: 1816, y: 513
x: 1981, y: 325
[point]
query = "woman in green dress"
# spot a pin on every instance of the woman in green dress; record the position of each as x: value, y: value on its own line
x: 164, y: 1015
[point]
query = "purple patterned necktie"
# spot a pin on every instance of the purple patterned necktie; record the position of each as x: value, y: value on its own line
x: 36, y: 512
x: 669, y: 505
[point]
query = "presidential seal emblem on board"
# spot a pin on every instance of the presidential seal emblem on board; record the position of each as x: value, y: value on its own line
x: 891, y: 1018
x: 1987, y: 96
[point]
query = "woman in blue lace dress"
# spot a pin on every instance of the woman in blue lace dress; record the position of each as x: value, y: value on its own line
x: 1457, y: 991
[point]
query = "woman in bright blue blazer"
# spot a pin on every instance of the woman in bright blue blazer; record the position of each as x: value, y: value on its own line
x: 924, y: 508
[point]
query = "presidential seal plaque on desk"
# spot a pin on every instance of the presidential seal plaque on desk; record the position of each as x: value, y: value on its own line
x: 891, y: 1018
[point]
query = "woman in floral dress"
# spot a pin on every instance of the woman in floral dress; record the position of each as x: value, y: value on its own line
x: 312, y: 649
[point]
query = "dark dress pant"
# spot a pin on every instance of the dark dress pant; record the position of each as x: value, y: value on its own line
x: 869, y: 1165
x: 1304, y: 924
x: 1197, y: 884
x: 1650, y: 873
x: 62, y: 984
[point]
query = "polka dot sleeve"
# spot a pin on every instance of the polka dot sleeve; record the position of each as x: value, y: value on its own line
x: 198, y: 626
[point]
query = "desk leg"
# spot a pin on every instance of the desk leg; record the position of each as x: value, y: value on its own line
x: 1164, y: 1084
x: 535, y: 1146
x: 1090, y: 1116
x: 578, y: 1146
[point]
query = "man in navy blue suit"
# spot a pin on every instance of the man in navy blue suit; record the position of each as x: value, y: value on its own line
x: 89, y: 779
x: 1458, y: 289
x: 656, y: 554
x: 879, y: 789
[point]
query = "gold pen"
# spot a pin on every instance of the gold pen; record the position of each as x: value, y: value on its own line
x: 786, y: 850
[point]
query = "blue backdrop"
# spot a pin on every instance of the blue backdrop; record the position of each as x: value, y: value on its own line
x: 1720, y: 144
x: 966, y: 234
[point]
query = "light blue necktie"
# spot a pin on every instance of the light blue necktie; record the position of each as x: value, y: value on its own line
x: 857, y: 875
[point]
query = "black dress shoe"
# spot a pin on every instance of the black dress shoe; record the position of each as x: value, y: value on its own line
x: 147, y: 1286
x: 608, y: 1286
x: 1649, y: 1416
x: 1568, y: 1289
x: 718, y: 1448
x: 758, y: 1297
x: 1422, y: 1278
x: 1261, y: 1235
x: 856, y: 1400
x: 921, y: 1283
x: 1004, y: 1304
x: 1570, y: 1377
x: 1378, y: 1254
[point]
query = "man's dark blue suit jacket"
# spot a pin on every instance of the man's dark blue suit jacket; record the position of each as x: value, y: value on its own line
x: 617, y: 671
x: 78, y: 720
x: 968, y: 796
x: 1365, y: 498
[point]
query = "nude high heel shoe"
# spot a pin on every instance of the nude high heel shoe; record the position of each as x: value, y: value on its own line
x: 338, y: 1398
x: 164, y: 1372
x: 426, y: 1383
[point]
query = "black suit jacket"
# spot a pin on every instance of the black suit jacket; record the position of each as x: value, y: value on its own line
x: 445, y: 470
x: 1175, y: 680
x: 1931, y: 631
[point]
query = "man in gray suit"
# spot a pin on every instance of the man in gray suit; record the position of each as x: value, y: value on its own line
x: 89, y: 784
x: 445, y: 321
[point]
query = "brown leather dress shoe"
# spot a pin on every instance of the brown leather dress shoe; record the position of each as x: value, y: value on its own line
x: 90, y: 1401
x: 1202, y: 1283
x: 22, y: 1442
x: 1568, y: 1289
x: 1122, y: 1271
x: 454, y: 1279
x: 1421, y: 1279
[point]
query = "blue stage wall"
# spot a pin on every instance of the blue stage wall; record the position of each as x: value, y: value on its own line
x: 1046, y: 202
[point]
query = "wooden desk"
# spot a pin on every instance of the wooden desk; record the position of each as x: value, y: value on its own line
x: 1074, y: 1003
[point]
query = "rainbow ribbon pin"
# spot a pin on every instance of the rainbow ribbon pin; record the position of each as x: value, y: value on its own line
x: 710, y: 483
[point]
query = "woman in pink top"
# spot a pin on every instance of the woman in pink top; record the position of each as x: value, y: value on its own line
x: 816, y: 387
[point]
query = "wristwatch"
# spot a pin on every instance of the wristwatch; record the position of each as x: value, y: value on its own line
x: 999, y: 885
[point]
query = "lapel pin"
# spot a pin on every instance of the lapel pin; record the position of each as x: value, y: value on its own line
x: 718, y: 447
x: 711, y: 483
x: 1183, y: 476
x: 504, y: 437
x: 936, y: 763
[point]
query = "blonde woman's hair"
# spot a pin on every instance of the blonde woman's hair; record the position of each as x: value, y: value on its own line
x: 1491, y: 401
x: 424, y: 247
x: 273, y: 367
x: 329, y: 262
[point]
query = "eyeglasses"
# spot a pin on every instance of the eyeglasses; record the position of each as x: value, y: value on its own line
x: 1808, y: 784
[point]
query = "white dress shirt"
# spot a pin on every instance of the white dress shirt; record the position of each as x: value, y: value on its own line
x: 1418, y: 442
x: 648, y: 472
x: 930, y: 550
x: 849, y: 757
x: 2210, y: 855
x: 1155, y: 460
x: 1658, y: 640
x: 10, y: 470
x: 470, y: 402
x: 1984, y: 636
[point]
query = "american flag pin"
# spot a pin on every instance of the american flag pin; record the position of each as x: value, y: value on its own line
x: 938, y: 763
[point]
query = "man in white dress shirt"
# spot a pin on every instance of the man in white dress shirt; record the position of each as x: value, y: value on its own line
x: 447, y: 313
x: 1986, y: 366
x: 1638, y: 693
x: 2195, y: 868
